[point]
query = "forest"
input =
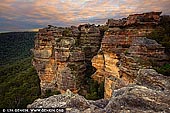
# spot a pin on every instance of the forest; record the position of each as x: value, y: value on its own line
x: 19, y: 82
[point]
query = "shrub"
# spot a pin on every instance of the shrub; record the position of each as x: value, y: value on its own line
x: 165, y: 69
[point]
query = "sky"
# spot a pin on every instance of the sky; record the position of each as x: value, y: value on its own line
x: 30, y: 15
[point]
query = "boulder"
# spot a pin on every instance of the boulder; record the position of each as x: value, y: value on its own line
x: 130, y: 99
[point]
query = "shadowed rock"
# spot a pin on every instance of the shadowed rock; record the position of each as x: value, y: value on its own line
x: 133, y: 99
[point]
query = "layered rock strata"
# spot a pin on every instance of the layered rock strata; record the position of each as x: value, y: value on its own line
x: 150, y: 19
x: 123, y: 60
x: 61, y: 55
x: 66, y: 54
x: 125, y: 49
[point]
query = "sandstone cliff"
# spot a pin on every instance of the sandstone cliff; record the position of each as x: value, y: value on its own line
x: 125, y: 49
x: 62, y: 54
x: 121, y: 57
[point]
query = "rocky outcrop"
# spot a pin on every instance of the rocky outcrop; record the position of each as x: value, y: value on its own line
x: 125, y: 49
x: 140, y: 55
x: 150, y: 95
x: 62, y: 54
x: 44, y: 58
x: 89, y: 40
x: 73, y: 103
x: 116, y: 23
x: 153, y: 80
x: 122, y: 57
x: 70, y: 54
x: 150, y: 19
x: 135, y: 99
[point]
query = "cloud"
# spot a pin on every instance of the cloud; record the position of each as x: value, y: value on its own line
x: 30, y: 14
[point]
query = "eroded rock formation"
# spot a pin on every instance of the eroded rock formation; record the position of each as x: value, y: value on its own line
x: 122, y: 56
x: 125, y: 49
x: 61, y: 55
x: 66, y: 54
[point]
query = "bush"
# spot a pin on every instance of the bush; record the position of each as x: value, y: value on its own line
x: 162, y: 34
x: 49, y: 92
x: 165, y: 69
x: 96, y: 90
x: 19, y: 84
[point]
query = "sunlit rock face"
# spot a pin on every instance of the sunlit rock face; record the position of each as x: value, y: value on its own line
x: 44, y: 58
x: 106, y: 65
x: 62, y: 54
x: 122, y: 58
x: 125, y: 49
x: 69, y: 54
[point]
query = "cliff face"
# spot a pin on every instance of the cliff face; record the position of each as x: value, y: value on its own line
x: 122, y: 57
x: 124, y: 50
x: 61, y: 56
x: 70, y: 54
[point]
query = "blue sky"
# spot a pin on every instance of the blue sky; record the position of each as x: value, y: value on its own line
x: 23, y: 15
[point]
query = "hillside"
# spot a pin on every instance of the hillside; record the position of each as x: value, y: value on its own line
x: 15, y: 46
x: 19, y: 83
